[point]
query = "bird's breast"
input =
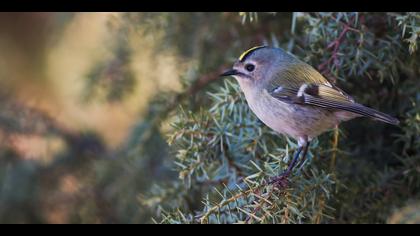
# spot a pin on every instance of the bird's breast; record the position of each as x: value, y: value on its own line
x: 290, y: 119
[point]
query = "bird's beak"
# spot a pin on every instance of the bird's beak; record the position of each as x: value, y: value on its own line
x: 229, y: 73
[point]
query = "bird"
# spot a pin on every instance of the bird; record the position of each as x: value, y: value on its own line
x: 294, y: 99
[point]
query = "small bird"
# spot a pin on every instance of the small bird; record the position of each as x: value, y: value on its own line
x: 292, y: 98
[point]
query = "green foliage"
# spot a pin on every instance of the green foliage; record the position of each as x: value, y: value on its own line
x: 226, y: 154
x: 410, y: 24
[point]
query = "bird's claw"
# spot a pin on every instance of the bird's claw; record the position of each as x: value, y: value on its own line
x: 281, y: 181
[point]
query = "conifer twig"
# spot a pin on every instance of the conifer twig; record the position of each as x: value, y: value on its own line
x: 335, y: 45
x: 334, y: 148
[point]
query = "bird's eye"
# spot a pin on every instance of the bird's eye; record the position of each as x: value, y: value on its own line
x: 249, y: 67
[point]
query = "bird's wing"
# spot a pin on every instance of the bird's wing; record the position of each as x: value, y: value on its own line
x: 301, y: 83
x: 308, y: 87
x: 312, y: 94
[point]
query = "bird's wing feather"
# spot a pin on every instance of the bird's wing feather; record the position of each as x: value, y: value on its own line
x: 301, y: 79
x: 307, y: 87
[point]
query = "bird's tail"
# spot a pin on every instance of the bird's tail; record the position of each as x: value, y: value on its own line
x: 371, y: 113
x: 355, y: 108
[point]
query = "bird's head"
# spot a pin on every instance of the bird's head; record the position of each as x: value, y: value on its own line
x: 257, y: 65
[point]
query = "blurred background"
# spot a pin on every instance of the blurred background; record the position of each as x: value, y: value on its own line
x: 87, y: 99
x: 72, y: 87
x: 75, y: 90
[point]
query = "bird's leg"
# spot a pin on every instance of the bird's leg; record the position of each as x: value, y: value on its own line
x: 303, y: 158
x: 293, y: 163
x: 281, y: 180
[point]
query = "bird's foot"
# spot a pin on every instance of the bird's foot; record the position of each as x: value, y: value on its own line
x: 281, y: 181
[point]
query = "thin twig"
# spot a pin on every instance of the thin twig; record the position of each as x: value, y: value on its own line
x: 335, y: 45
x: 334, y: 148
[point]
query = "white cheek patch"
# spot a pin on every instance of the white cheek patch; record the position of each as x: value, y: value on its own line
x: 302, y: 90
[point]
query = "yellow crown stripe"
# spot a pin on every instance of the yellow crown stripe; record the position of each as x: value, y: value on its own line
x: 248, y: 51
